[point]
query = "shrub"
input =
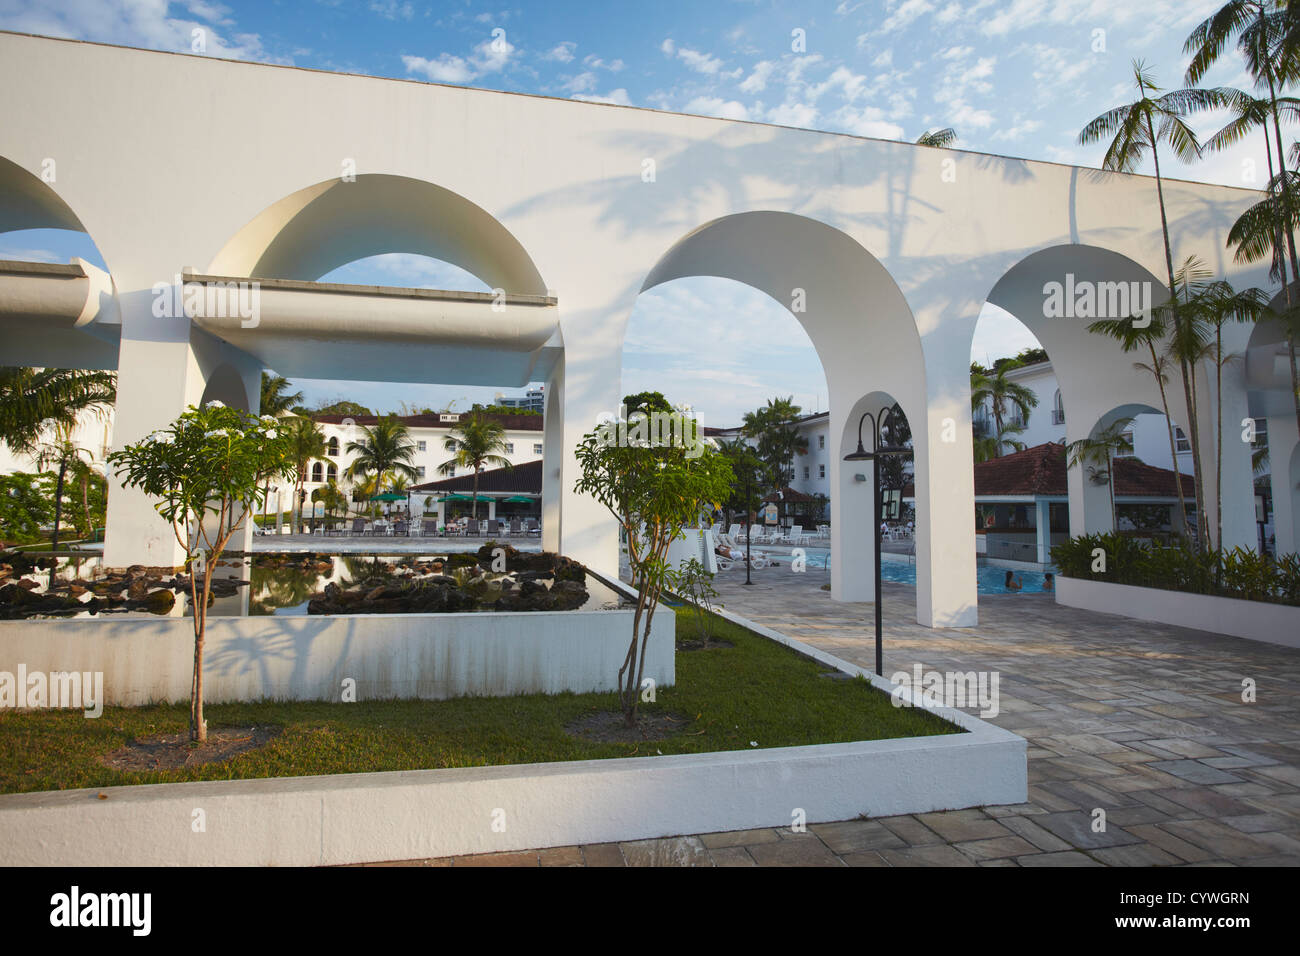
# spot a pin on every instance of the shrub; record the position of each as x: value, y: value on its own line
x: 1122, y: 559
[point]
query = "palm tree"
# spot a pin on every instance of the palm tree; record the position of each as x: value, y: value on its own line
x: 384, y: 452
x: 1003, y: 396
x: 1268, y: 37
x: 1207, y: 305
x: 475, y: 442
x: 941, y: 138
x: 275, y: 400
x: 1136, y: 129
x: 307, y: 443
x: 990, y: 446
x: 777, y: 439
x: 1132, y: 337
x: 32, y: 399
x: 1097, y: 454
x: 66, y: 455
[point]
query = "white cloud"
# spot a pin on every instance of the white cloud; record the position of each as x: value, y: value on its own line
x: 716, y: 106
x: 793, y: 114
x: 668, y: 47
x: 561, y: 52
x: 392, y: 9
x: 756, y: 82
x: 904, y: 13
x: 699, y: 62
x: 596, y: 63
x: 617, y: 97
x: 1017, y: 130
x: 582, y: 83
x: 491, y: 56
x: 445, y: 69
x: 140, y: 23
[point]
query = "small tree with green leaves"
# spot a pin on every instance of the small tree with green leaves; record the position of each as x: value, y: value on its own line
x: 654, y: 488
x: 695, y: 583
x: 206, y: 470
x: 1097, y: 453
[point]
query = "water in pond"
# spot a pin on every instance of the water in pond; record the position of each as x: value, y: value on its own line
x: 280, y: 584
x: 989, y: 579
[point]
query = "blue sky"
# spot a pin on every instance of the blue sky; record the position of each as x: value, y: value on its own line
x: 1015, y: 77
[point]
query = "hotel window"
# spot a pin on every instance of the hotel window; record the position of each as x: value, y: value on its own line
x: 1129, y: 451
x: 333, y: 449
x: 316, y: 472
x: 821, y: 442
x: 821, y: 471
x: 1261, y: 432
x: 420, y: 471
x: 537, y: 448
x: 805, y: 472
x: 1181, y: 442
x: 1058, y: 410
x: 510, y: 448
x: 332, y: 472
x: 420, y: 446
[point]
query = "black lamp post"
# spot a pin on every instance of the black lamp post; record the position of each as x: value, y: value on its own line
x: 878, y: 450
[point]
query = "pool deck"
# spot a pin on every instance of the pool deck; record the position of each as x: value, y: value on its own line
x: 1145, y: 722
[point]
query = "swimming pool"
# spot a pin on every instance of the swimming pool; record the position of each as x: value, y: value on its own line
x: 989, y: 580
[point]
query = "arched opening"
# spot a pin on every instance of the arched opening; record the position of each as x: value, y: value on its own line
x: 1057, y: 293
x: 857, y: 323
x: 1276, y: 445
x: 390, y: 298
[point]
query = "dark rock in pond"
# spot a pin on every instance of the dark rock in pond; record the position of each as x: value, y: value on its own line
x: 137, y: 589
x: 159, y: 602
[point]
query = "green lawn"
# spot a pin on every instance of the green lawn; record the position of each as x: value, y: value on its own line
x: 755, y: 691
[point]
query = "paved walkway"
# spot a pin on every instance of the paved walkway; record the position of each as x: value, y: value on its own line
x: 1143, y: 721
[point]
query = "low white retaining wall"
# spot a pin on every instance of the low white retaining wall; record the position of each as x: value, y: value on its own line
x: 353, y: 818
x: 430, y: 656
x: 1254, y: 620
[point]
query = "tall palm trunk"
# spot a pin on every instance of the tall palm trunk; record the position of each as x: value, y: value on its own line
x: 1169, y: 433
x: 1193, y: 432
x: 1290, y: 232
x: 58, y: 505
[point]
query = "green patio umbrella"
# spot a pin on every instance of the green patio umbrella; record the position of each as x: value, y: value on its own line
x: 517, y: 500
x: 456, y: 498
x: 390, y: 496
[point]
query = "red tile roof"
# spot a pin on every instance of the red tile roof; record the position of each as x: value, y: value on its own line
x: 523, y: 423
x: 525, y: 479
x: 1041, y: 471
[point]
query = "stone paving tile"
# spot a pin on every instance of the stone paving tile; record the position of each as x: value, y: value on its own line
x: 528, y: 858
x: 668, y: 851
x: 1156, y: 836
x: 997, y: 848
x: 911, y: 830
x: 1027, y: 829
x: 731, y: 856
x: 1135, y: 854
x: 939, y: 855
x: 806, y: 852
x: 1194, y: 771
x: 603, y: 854
x: 561, y: 856
x: 855, y: 836
x: 738, y: 838
x: 957, y: 825
x: 1064, y: 858
x: 1075, y: 828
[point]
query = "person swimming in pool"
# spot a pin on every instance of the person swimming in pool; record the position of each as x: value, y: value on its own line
x: 1049, y: 582
x: 1013, y: 582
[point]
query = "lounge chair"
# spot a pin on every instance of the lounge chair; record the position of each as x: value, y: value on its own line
x: 358, y: 526
x: 400, y: 529
x: 493, y: 527
x: 534, y: 528
x: 516, y: 528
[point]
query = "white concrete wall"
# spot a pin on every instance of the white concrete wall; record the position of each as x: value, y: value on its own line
x: 428, y: 656
x: 1254, y: 620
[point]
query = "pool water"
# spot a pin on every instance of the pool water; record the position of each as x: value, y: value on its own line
x: 989, y: 580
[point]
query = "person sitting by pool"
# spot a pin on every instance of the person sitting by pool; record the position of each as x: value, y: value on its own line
x: 1049, y: 582
x: 1013, y: 582
x: 723, y: 551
